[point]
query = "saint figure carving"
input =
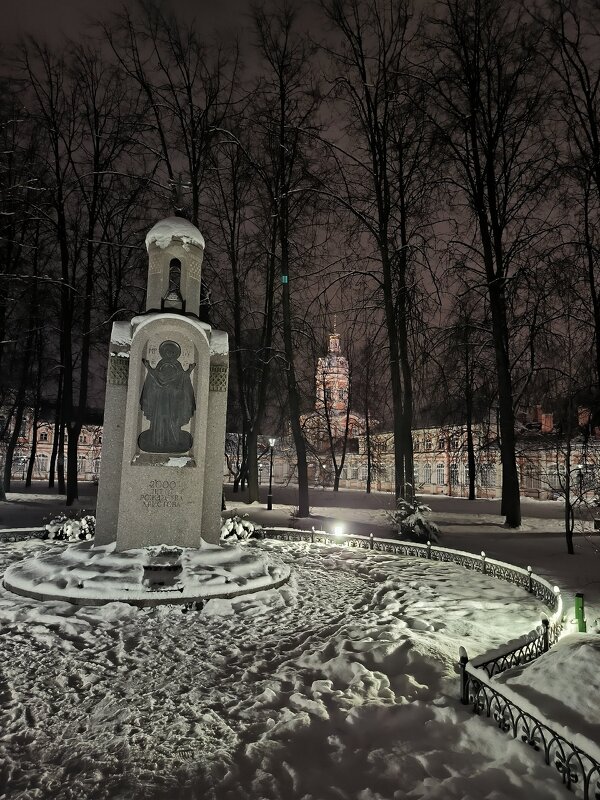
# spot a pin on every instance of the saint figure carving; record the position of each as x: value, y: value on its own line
x: 167, y: 402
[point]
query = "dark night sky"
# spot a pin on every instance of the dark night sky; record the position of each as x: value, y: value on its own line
x: 51, y: 18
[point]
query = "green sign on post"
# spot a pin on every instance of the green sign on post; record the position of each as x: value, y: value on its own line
x: 580, y: 613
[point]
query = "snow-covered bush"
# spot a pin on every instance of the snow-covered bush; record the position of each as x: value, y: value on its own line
x: 411, y: 522
x: 239, y: 528
x: 63, y: 528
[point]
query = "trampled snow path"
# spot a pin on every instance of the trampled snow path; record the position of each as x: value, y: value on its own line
x: 340, y: 685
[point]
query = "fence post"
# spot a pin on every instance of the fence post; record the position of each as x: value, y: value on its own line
x: 370, y: 541
x: 529, y: 580
x: 483, y: 565
x: 463, y: 660
x: 545, y: 634
x: 312, y: 535
x: 429, y: 548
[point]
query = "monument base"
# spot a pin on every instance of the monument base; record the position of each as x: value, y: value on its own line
x: 86, y: 575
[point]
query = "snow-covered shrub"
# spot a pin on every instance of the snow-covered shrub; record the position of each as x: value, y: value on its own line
x: 63, y: 528
x: 411, y: 522
x: 239, y: 528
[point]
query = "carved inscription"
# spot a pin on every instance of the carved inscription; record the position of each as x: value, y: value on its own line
x: 161, y: 494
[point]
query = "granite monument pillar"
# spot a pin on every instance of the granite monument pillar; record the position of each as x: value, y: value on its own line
x: 161, y: 472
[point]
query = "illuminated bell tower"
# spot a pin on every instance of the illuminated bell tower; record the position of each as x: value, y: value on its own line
x: 332, y: 379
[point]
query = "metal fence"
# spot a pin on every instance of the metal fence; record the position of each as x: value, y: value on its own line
x: 20, y: 534
x: 477, y: 688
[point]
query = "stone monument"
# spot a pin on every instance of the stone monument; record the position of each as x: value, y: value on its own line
x: 164, y: 419
x: 158, y: 520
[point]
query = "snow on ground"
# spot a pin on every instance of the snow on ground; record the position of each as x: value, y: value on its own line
x: 476, y: 532
x: 341, y: 684
x: 561, y: 689
x: 93, y: 575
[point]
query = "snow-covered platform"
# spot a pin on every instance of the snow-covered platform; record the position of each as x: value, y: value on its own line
x: 86, y: 575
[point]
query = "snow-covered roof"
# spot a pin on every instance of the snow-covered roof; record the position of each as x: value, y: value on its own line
x: 171, y: 228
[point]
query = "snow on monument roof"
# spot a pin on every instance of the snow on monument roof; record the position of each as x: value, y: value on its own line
x: 170, y: 228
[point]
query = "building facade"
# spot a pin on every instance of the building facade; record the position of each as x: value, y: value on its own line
x: 89, y: 451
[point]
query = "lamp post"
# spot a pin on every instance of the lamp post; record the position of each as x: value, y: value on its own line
x: 260, y: 469
x: 270, y: 495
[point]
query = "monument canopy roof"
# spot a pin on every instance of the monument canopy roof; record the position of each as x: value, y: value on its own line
x: 171, y: 228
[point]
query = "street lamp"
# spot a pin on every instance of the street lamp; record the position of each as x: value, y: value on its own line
x: 270, y: 495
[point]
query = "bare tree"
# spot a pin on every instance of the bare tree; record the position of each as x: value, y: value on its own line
x: 187, y: 87
x: 289, y: 101
x: 490, y: 83
x: 384, y: 165
x: 245, y: 234
x: 86, y: 116
x: 575, y: 38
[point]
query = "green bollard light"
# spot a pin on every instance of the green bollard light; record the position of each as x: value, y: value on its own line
x: 580, y: 613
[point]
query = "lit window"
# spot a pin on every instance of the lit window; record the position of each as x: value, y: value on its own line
x: 488, y: 476
x: 454, y: 473
x: 439, y: 474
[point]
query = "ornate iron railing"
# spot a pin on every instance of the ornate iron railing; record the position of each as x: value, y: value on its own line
x: 20, y: 534
x: 576, y: 767
x: 578, y: 770
x: 525, y: 578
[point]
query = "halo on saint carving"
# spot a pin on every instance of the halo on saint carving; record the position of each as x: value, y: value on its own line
x: 169, y: 350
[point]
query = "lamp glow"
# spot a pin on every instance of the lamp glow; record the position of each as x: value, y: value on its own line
x: 338, y: 530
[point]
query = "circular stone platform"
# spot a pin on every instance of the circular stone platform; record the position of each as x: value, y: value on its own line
x: 88, y: 575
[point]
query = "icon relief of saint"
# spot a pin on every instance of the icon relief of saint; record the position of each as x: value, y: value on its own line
x: 167, y: 401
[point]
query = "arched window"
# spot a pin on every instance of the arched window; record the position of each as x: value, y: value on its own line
x: 488, y: 476
x: 173, y: 298
x: 439, y: 474
x: 175, y: 276
x: 427, y: 473
x: 454, y: 473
